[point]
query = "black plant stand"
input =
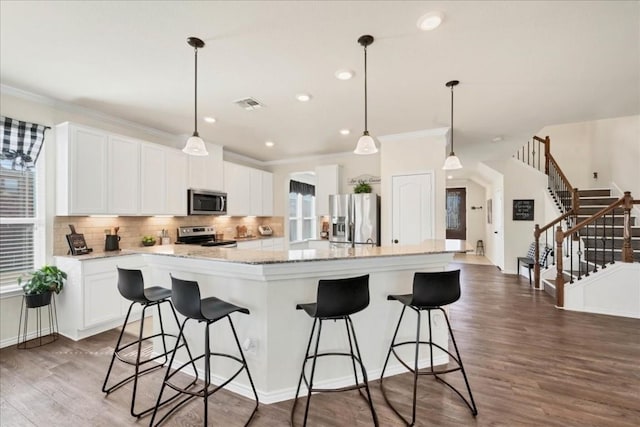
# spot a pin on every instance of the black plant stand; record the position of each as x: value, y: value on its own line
x: 39, y: 303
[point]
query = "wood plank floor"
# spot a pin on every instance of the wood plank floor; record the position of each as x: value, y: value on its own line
x: 528, y: 364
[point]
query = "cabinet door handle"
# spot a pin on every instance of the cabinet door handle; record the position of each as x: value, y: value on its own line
x: 395, y: 240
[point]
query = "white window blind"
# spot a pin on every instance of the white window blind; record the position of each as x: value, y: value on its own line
x: 18, y: 219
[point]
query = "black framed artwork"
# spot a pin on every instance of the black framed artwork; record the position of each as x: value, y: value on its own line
x: 523, y: 210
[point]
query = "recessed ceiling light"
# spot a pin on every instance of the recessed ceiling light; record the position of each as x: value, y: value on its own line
x: 449, y: 176
x: 345, y: 131
x: 430, y: 21
x: 497, y: 139
x: 303, y: 97
x: 210, y: 119
x: 269, y: 144
x: 344, y: 74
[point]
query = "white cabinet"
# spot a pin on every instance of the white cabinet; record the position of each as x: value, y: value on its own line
x: 176, y: 182
x: 153, y: 186
x: 90, y: 302
x: 206, y: 172
x: 327, y: 182
x: 237, y: 184
x: 163, y: 180
x: 267, y: 194
x: 81, y: 170
x: 100, y: 173
x: 123, y: 181
x: 249, y: 190
x: 268, y: 244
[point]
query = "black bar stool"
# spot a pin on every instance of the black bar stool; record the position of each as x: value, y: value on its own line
x: 337, y: 299
x: 131, y: 287
x: 186, y: 297
x: 430, y: 292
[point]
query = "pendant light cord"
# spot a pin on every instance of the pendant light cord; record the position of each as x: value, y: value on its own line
x: 366, y: 129
x: 195, y: 97
x: 452, y: 120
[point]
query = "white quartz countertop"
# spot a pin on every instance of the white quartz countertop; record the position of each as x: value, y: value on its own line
x: 247, y: 256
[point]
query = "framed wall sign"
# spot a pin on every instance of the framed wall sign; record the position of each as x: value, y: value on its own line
x: 523, y: 210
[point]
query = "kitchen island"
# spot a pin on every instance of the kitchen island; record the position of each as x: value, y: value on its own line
x: 271, y: 283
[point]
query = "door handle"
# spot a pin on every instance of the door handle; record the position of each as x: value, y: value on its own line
x: 495, y: 232
x: 395, y: 240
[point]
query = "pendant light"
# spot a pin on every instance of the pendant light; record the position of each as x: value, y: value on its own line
x: 195, y: 145
x: 452, y: 162
x: 366, y: 144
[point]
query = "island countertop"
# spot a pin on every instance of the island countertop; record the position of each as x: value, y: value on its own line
x: 247, y: 256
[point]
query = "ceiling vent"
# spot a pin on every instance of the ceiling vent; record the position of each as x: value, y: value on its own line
x: 249, y: 104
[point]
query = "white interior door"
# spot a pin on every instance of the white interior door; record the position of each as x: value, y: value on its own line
x: 412, y: 210
x: 498, y: 228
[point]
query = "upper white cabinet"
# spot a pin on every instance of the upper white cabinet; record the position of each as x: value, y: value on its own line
x: 82, y: 170
x: 327, y: 182
x: 267, y: 193
x: 237, y: 184
x: 163, y: 180
x: 100, y: 173
x: 249, y: 190
x: 206, y: 172
x: 123, y: 182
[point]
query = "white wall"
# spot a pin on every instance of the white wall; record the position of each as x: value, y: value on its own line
x: 414, y: 152
x: 610, y: 147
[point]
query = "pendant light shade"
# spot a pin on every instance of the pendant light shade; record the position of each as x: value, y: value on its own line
x: 366, y: 144
x: 452, y: 162
x: 195, y: 145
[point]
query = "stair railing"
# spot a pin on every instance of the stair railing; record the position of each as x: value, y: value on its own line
x: 565, y: 195
x: 600, y: 228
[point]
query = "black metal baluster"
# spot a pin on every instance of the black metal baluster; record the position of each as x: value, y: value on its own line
x: 579, y: 253
x: 570, y: 237
x: 613, y: 237
x: 586, y: 250
x: 604, y: 242
x: 595, y: 247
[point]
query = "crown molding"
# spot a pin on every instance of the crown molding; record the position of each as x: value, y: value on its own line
x: 425, y: 133
x: 310, y: 158
x: 74, y: 108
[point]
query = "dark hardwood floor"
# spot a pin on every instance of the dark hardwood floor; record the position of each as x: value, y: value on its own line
x: 529, y: 364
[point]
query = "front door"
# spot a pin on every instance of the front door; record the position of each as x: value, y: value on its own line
x: 457, y: 213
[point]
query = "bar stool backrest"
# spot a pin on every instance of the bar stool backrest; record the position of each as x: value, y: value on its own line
x: 342, y: 297
x: 131, y: 284
x: 437, y: 288
x: 185, y: 295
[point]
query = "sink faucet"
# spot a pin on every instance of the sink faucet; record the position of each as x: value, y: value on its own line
x: 370, y: 240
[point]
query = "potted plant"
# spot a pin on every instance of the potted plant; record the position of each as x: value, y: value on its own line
x: 362, y: 187
x: 40, y: 285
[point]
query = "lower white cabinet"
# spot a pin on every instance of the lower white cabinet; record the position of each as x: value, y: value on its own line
x: 90, y: 302
x: 268, y: 244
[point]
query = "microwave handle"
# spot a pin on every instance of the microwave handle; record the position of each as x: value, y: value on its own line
x: 224, y: 203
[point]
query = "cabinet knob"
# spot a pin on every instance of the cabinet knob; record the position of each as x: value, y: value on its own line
x: 395, y: 240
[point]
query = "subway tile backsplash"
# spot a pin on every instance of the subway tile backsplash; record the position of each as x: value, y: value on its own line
x: 132, y: 228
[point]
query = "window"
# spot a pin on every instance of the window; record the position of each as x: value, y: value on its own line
x: 20, y: 247
x: 302, y: 220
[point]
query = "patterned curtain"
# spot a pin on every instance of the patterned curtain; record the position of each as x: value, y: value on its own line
x: 21, y: 142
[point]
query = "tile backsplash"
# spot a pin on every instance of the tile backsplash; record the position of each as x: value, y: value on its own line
x: 132, y: 228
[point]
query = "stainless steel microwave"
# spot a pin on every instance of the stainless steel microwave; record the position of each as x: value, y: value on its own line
x: 204, y: 202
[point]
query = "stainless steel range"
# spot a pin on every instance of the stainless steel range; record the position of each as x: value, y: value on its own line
x: 203, y: 236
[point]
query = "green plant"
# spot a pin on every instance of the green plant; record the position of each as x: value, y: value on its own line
x: 48, y: 278
x: 362, y: 187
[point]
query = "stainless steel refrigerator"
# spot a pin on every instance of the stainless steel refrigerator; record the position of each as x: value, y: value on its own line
x: 355, y: 219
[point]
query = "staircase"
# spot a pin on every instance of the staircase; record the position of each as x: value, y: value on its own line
x: 608, y: 231
x: 593, y: 232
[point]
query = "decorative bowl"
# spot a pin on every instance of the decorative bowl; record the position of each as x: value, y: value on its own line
x: 149, y: 243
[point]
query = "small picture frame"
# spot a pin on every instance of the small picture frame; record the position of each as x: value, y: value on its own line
x: 77, y: 244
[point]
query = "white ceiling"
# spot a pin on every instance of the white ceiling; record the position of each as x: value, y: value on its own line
x: 522, y: 66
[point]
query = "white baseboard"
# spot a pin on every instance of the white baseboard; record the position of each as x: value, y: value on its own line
x: 7, y: 342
